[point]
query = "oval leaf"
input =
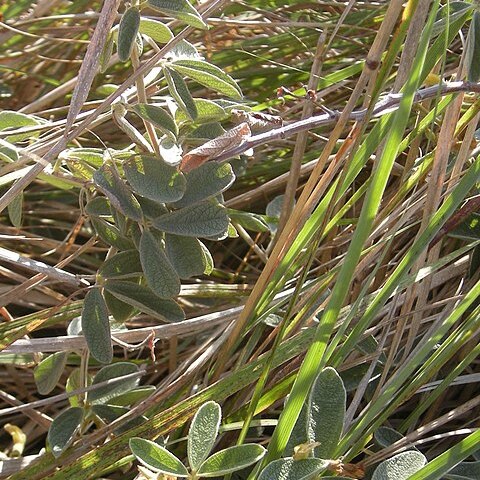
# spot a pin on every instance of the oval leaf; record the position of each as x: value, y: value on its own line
x: 159, y: 273
x: 385, y: 436
x: 98, y: 206
x: 122, y: 265
x: 108, y: 180
x: 179, y: 9
x: 110, y: 234
x: 13, y: 120
x: 156, y: 457
x: 96, y: 326
x: 107, y: 392
x: 74, y: 382
x: 299, y: 432
x: 473, y: 54
x: 203, y: 433
x: 170, y: 151
x: 152, y: 209
x: 119, y: 310
x: 155, y: 30
x: 145, y: 300
x: 400, y: 467
x: 201, y: 220
x: 152, y: 178
x: 127, y: 31
x: 206, y: 181
x: 248, y: 220
x: 209, y: 76
x: 48, y: 372
x: 290, y: 469
x: 158, y: 117
x: 179, y: 91
x: 63, y: 429
x: 106, y: 53
x: 132, y: 396
x: 207, y: 111
x: 231, y: 459
x: 326, y: 412
x: 15, y: 208
x: 186, y: 255
x: 109, y: 413
x: 464, y: 471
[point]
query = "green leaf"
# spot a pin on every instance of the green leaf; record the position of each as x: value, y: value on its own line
x: 183, y: 50
x: 155, y: 30
x: 206, y: 181
x: 200, y: 220
x: 106, y: 393
x: 159, y: 272
x: 133, y: 396
x: 119, y: 310
x: 158, y: 117
x: 207, y: 260
x: 96, y: 326
x: 231, y: 459
x: 206, y: 132
x: 91, y: 156
x: 207, y: 112
x: 203, y: 433
x: 326, y: 412
x: 456, y: 10
x: 209, y: 76
x: 145, y: 300
x: 99, y: 206
x: 384, y: 436
x: 122, y: 265
x: 170, y: 151
x: 186, y: 255
x: 290, y: 469
x: 400, y: 467
x: 109, y: 413
x: 274, y: 210
x: 152, y: 178
x: 15, y: 208
x: 179, y: 91
x: 48, y: 372
x: 152, y: 209
x: 106, y: 53
x: 127, y: 31
x: 74, y: 383
x: 181, y: 10
x: 299, y: 432
x: 156, y: 457
x: 336, y: 478
x: 108, y: 180
x: 15, y: 120
x: 473, y: 53
x: 8, y: 153
x: 110, y: 234
x: 469, y: 229
x: 248, y: 220
x: 80, y: 170
x: 464, y: 471
x: 63, y: 429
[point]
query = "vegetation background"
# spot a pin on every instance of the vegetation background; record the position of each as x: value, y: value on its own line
x: 352, y: 236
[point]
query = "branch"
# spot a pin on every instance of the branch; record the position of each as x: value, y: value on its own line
x: 388, y: 104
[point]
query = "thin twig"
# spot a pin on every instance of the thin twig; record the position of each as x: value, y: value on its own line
x: 387, y: 105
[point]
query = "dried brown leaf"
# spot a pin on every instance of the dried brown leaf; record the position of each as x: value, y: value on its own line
x: 208, y: 151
